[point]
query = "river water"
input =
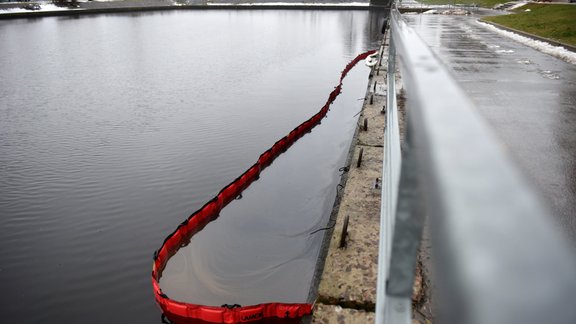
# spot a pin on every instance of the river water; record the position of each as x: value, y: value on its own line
x: 114, y: 128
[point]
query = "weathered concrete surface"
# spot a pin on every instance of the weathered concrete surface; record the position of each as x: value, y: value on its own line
x: 328, y: 314
x: 350, y: 274
x: 347, y: 291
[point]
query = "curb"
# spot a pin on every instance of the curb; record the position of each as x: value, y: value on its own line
x: 532, y: 36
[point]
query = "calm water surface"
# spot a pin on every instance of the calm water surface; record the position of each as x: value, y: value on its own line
x: 114, y: 128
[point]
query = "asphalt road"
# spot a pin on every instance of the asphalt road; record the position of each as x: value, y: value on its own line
x: 527, y: 96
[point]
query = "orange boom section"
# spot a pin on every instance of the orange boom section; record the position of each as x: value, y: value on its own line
x: 180, y: 312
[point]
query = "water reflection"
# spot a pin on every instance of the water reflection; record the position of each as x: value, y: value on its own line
x: 260, y: 249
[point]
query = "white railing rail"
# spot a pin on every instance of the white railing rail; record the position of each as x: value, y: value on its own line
x: 497, y: 257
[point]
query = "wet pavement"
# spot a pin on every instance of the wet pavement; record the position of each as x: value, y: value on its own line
x: 527, y: 96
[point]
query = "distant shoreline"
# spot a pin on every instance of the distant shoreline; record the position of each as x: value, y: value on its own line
x: 109, y: 7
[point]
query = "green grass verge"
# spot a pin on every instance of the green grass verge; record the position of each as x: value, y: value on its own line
x: 553, y: 21
x: 481, y: 3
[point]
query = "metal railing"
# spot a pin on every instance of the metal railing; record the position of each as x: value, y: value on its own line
x: 497, y: 256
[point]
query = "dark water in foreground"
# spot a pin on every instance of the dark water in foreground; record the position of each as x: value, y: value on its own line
x: 114, y: 128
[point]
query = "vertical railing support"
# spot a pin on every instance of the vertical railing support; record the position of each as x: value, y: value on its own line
x: 390, y: 179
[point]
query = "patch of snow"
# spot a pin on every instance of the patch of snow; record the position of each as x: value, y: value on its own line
x: 43, y: 7
x: 430, y: 12
x: 456, y: 12
x: 417, y: 5
x: 525, y: 61
x: 51, y: 7
x: 557, y: 51
x: 518, y: 5
x: 504, y: 51
x: 11, y: 10
x: 549, y: 75
x: 528, y: 10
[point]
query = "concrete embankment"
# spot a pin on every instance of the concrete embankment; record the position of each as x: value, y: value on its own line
x: 347, y: 289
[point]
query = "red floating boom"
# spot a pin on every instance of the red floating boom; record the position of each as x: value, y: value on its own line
x: 180, y: 312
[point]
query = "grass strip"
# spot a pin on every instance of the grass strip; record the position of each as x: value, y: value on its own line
x: 552, y: 21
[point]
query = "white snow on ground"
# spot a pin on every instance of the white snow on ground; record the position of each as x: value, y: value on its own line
x: 557, y: 51
x: 356, y: 4
x: 43, y: 7
x: 518, y: 5
x: 550, y: 75
x: 505, y: 51
x: 419, y: 5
